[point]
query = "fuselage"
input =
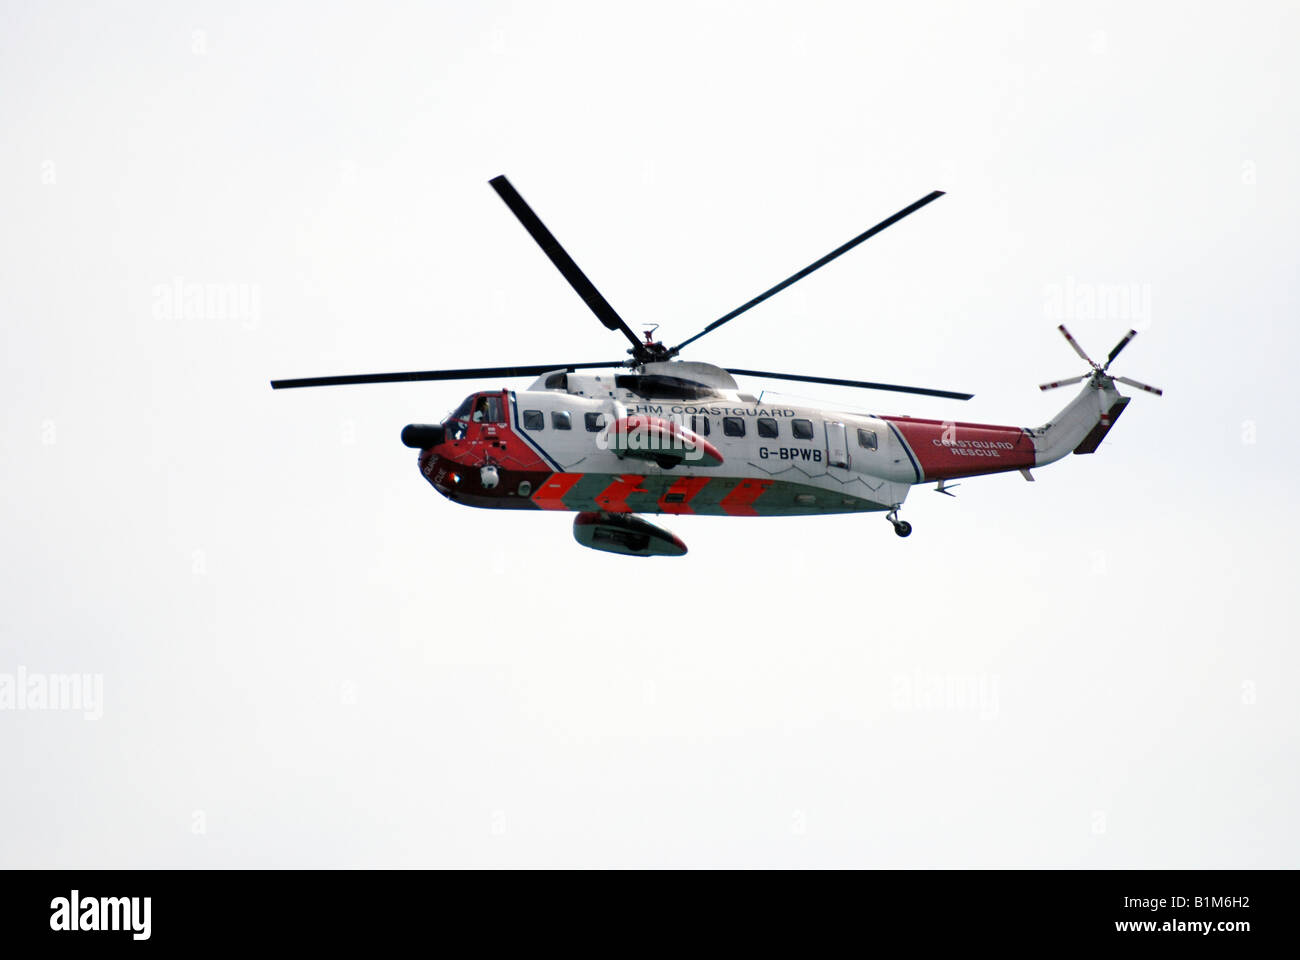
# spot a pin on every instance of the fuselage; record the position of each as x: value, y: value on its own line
x: 556, y: 446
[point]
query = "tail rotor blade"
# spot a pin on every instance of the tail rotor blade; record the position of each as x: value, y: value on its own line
x: 1062, y: 383
x: 1141, y: 386
x: 1110, y: 358
x: 1075, y: 344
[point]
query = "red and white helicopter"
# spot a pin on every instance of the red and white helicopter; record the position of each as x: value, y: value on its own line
x: 654, y: 434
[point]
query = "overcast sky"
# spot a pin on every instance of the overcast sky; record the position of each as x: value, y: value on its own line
x: 309, y: 658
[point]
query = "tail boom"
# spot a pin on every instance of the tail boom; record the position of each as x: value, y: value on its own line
x: 947, y: 450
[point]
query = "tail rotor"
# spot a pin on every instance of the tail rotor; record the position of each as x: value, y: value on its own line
x: 1099, y: 370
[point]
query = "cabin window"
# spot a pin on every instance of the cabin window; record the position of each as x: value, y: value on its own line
x: 802, y: 429
x: 767, y: 428
x: 560, y: 420
x: 733, y: 427
x: 533, y: 420
x: 595, y: 422
x: 867, y: 439
x: 700, y: 425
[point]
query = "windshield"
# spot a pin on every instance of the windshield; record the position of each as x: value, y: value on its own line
x: 461, y: 412
x: 456, y: 421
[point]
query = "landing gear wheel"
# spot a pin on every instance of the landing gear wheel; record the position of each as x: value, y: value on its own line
x: 901, y: 527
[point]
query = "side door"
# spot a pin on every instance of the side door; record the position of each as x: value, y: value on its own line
x: 837, y: 444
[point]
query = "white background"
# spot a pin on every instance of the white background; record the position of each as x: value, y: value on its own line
x: 310, y: 658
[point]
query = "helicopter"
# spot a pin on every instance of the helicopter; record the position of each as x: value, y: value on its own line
x: 653, y: 434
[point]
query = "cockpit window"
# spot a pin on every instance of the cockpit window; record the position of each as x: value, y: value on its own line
x: 487, y: 409
x: 462, y: 412
x: 456, y: 420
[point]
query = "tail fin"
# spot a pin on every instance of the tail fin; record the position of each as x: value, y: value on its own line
x: 1098, y: 433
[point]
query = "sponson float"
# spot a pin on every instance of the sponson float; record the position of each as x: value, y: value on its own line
x: 654, y: 434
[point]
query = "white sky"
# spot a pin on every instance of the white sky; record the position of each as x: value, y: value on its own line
x: 310, y: 658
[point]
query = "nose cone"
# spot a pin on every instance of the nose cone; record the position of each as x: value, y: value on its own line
x: 422, y: 436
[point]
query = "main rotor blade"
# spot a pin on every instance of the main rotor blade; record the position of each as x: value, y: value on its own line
x: 1063, y: 383
x: 1075, y: 344
x: 472, y: 373
x: 563, y: 262
x: 923, y: 391
x: 1110, y: 358
x: 866, y: 235
x: 1141, y: 386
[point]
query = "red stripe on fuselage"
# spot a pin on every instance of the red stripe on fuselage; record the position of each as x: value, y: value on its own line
x: 614, y: 497
x: 686, y: 488
x: 946, y: 449
x: 740, y: 502
x: 550, y: 496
